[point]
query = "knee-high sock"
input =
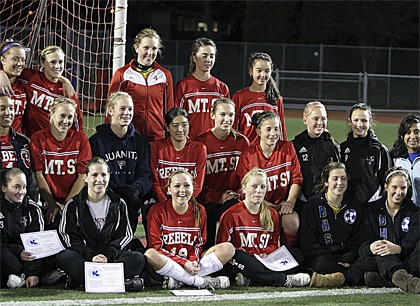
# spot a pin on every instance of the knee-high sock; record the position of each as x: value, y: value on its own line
x: 174, y: 270
x: 209, y: 264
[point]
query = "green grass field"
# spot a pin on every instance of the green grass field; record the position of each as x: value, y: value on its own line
x: 57, y: 295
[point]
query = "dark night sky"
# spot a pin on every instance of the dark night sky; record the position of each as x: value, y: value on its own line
x: 370, y: 23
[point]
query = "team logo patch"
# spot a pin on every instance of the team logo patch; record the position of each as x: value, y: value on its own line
x: 405, y: 223
x: 370, y: 160
x: 350, y: 216
x: 322, y: 211
x: 24, y: 221
x: 382, y: 220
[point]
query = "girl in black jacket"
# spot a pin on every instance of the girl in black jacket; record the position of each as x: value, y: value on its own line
x: 18, y: 214
x: 94, y: 227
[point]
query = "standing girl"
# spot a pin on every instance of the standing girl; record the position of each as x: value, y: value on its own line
x: 406, y: 150
x: 95, y: 228
x: 253, y: 228
x: 330, y: 223
x: 43, y: 87
x: 315, y: 147
x: 176, y: 152
x: 224, y: 147
x: 148, y: 83
x: 365, y: 157
x: 279, y: 160
x: 177, y: 231
x: 127, y: 153
x: 197, y: 92
x: 59, y: 156
x: 262, y: 96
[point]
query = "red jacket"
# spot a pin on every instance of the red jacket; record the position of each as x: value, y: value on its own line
x: 152, y: 97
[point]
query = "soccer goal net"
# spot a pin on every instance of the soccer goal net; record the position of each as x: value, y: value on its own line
x: 83, y: 29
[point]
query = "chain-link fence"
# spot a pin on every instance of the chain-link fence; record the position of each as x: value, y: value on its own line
x: 386, y: 78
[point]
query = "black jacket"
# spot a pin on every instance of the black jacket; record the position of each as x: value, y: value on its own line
x: 314, y: 154
x: 403, y: 229
x: 16, y: 219
x: 323, y: 232
x: 366, y: 160
x: 79, y: 233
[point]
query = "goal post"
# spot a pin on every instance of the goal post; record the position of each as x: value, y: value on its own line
x: 87, y: 32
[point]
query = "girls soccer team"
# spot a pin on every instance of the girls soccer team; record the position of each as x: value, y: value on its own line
x: 256, y: 216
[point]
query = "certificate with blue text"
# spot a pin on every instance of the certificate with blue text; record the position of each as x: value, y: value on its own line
x: 104, y: 277
x: 42, y: 244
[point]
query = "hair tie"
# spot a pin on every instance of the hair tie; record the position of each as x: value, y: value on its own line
x: 395, y: 172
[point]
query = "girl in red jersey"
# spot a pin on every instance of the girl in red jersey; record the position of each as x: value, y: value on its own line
x: 224, y: 147
x: 176, y: 152
x: 278, y: 158
x: 197, y: 92
x: 13, y: 58
x: 59, y: 155
x: 148, y: 83
x: 263, y: 95
x: 253, y: 228
x: 177, y: 231
x: 42, y: 87
x: 39, y: 88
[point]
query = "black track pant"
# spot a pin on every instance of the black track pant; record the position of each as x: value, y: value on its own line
x: 74, y: 264
x: 385, y: 265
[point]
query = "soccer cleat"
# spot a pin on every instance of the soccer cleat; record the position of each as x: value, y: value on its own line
x: 297, y: 280
x: 241, y: 280
x: 219, y: 282
x: 327, y: 280
x: 72, y: 283
x: 171, y: 283
x: 135, y: 284
x: 374, y: 280
x: 52, y: 277
x: 15, y: 281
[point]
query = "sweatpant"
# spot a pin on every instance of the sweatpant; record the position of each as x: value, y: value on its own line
x: 325, y: 264
x: 385, y: 265
x: 74, y: 264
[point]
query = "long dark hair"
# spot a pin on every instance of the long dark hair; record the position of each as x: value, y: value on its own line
x: 399, y: 148
x: 325, y: 175
x: 199, y: 42
x: 272, y: 93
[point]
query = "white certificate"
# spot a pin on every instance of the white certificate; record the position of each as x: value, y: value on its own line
x: 279, y: 260
x: 104, y: 277
x: 42, y: 244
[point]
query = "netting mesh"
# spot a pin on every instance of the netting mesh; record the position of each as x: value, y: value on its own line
x: 83, y: 29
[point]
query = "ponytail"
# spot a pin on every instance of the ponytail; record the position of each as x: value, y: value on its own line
x: 265, y: 217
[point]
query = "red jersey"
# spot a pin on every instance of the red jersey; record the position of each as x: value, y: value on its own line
x: 175, y: 235
x: 164, y: 159
x: 41, y: 93
x: 197, y: 98
x: 282, y: 168
x: 247, y: 104
x: 60, y: 161
x: 152, y: 97
x: 8, y: 153
x: 222, y: 159
x: 19, y: 100
x: 243, y: 229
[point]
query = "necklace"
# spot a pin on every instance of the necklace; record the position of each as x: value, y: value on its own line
x: 336, y: 209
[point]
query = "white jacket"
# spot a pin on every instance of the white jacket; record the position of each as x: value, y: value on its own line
x: 414, y: 170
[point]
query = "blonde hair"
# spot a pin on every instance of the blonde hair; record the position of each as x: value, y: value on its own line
x: 193, y: 200
x: 148, y: 32
x: 60, y: 100
x: 265, y: 215
x: 310, y: 106
x: 48, y: 50
x: 115, y: 96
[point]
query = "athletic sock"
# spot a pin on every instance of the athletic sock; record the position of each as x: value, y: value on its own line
x: 174, y: 270
x: 209, y: 264
x: 289, y: 240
